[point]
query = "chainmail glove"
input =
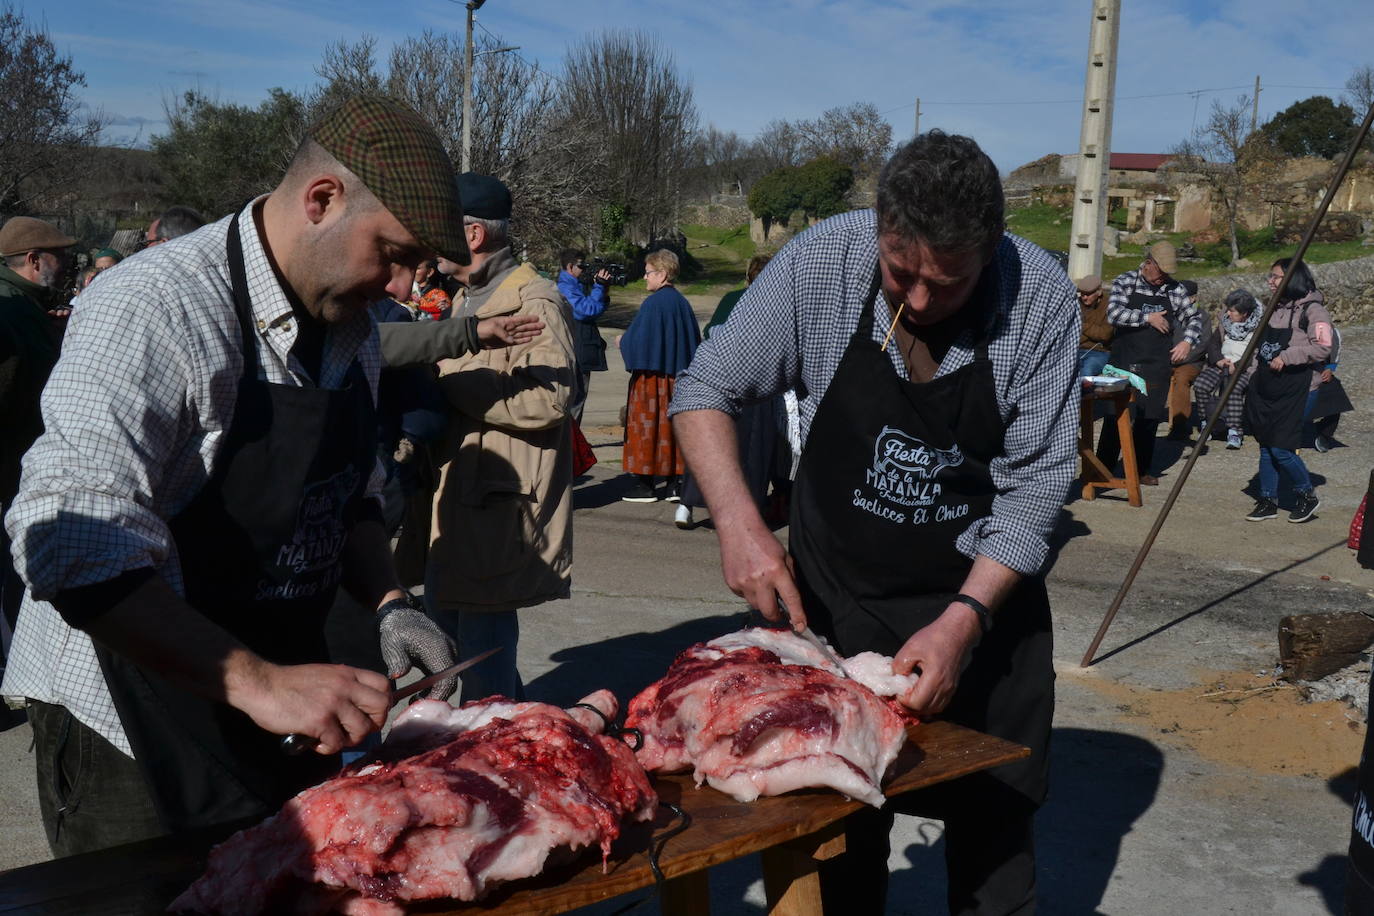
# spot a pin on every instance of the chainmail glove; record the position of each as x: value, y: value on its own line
x: 409, y: 637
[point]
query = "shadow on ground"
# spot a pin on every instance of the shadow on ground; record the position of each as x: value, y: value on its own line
x: 1328, y: 876
x: 625, y: 664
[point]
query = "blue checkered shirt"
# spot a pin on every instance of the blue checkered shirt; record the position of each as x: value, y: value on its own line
x: 135, y: 413
x: 796, y: 319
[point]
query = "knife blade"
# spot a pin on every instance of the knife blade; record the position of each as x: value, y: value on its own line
x: 296, y: 743
x: 830, y: 656
x: 807, y: 634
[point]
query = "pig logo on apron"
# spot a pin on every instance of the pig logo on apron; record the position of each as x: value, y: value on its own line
x: 904, y: 468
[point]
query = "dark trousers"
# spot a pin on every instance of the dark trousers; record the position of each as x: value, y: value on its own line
x: 90, y: 794
x: 989, y: 854
x: 579, y: 395
x: 1142, y: 434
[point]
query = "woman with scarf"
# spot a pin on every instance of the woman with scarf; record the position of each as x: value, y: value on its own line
x: 1293, y: 348
x: 658, y: 344
x: 1239, y: 318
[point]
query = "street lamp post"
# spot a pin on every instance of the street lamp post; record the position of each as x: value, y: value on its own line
x: 473, y: 6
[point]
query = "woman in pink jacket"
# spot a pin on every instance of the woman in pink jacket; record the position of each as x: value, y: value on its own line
x: 1293, y: 349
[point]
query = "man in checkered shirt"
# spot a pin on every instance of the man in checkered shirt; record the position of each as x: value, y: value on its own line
x: 206, y: 480
x: 936, y: 355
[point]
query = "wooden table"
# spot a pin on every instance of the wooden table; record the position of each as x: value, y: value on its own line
x: 793, y: 832
x: 1096, y: 475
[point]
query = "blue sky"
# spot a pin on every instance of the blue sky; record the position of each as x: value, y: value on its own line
x: 1007, y: 73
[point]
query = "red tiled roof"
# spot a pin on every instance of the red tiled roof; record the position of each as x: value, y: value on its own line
x: 1144, y: 162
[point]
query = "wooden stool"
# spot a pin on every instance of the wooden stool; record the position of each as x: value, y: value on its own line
x: 1096, y: 475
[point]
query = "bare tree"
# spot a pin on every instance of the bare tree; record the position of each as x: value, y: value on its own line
x: 855, y: 135
x: 625, y: 90
x: 1232, y: 162
x: 518, y: 134
x: 44, y: 134
x: 1359, y: 90
x: 778, y: 145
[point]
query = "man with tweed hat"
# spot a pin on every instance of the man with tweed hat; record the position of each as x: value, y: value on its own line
x: 34, y: 255
x: 206, y: 482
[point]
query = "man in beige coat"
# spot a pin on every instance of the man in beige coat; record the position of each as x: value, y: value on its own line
x: 501, y: 537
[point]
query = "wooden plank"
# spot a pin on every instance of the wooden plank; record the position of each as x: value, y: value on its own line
x: 1311, y: 646
x: 721, y: 830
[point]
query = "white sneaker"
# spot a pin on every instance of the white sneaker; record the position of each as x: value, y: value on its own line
x: 683, y: 517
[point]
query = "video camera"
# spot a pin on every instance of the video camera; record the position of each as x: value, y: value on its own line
x: 594, y: 266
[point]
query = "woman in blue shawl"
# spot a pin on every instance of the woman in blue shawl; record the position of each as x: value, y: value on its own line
x: 659, y: 344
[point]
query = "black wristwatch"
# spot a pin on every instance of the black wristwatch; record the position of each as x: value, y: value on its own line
x: 979, y: 608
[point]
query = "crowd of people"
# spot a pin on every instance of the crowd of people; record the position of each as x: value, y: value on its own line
x: 1287, y: 398
x: 241, y: 422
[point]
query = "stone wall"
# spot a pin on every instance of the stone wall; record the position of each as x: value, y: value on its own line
x: 1347, y: 285
x: 722, y: 211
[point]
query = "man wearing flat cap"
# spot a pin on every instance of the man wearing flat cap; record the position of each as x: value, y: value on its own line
x: 206, y: 481
x: 501, y: 538
x: 1095, y: 340
x: 1145, y: 307
x: 34, y: 256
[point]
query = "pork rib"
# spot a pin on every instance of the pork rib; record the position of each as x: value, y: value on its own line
x: 483, y: 794
x: 763, y: 712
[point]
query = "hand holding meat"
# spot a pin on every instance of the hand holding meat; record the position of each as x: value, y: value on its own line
x: 940, y: 652
x: 410, y: 638
x: 455, y: 801
x: 508, y: 330
x: 757, y: 568
x: 335, y: 704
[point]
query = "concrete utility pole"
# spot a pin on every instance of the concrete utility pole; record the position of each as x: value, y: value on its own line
x: 1254, y: 114
x: 1095, y: 141
x: 918, y: 117
x: 473, y: 6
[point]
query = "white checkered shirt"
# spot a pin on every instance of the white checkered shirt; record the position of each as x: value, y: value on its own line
x: 134, y: 415
x: 796, y: 319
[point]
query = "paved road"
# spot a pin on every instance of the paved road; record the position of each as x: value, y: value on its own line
x: 1137, y: 823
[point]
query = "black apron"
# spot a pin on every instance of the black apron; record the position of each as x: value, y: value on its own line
x: 259, y: 548
x: 1145, y: 352
x: 892, y: 472
x: 1276, y: 402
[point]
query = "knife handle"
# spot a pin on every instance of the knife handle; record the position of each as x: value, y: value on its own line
x: 294, y: 745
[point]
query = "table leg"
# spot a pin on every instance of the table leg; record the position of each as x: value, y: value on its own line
x: 1085, y: 449
x: 791, y: 882
x: 687, y: 895
x: 1128, y: 458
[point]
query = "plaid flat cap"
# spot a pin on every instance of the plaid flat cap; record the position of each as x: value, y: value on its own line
x: 397, y: 155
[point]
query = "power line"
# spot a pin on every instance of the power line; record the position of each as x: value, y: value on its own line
x: 529, y: 63
x: 1073, y: 101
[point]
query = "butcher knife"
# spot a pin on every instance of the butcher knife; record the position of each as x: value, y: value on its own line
x: 830, y: 656
x: 298, y: 744
x: 807, y: 634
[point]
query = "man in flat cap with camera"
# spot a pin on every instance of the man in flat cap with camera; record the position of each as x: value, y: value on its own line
x: 35, y: 256
x: 502, y: 529
x: 205, y: 483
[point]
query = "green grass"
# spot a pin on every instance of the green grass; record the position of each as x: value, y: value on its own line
x: 1049, y: 227
x: 723, y: 255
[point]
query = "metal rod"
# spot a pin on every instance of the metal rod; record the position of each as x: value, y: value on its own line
x: 1236, y: 372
